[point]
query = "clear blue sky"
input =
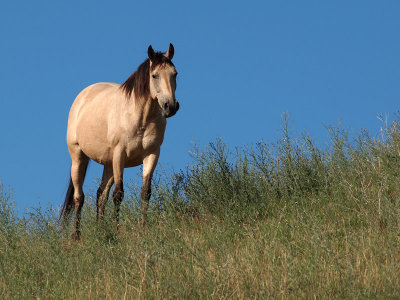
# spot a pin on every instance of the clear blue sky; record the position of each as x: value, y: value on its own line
x: 241, y: 64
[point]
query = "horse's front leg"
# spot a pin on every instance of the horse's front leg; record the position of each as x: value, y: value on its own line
x: 149, y: 164
x: 118, y: 171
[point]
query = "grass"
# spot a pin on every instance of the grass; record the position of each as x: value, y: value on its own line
x: 283, y: 220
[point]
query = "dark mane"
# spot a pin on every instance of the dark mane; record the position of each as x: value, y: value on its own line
x: 139, y: 82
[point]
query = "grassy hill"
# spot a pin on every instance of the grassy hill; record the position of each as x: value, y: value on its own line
x: 287, y: 220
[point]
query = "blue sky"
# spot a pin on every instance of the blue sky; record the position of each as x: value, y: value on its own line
x: 241, y: 64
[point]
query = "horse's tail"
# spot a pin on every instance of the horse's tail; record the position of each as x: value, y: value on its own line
x: 69, y: 198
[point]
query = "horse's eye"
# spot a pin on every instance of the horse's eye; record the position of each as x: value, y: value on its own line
x: 155, y: 76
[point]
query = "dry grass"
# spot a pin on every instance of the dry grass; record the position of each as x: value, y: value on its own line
x: 282, y: 221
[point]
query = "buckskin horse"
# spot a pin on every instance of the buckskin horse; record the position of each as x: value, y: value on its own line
x: 120, y: 126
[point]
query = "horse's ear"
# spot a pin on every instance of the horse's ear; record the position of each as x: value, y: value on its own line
x: 150, y: 52
x: 170, y: 52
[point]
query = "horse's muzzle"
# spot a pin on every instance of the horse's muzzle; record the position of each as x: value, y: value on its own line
x: 170, y: 110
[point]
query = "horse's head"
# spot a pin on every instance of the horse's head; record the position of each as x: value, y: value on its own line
x: 163, y: 80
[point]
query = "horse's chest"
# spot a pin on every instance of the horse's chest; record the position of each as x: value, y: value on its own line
x: 144, y: 141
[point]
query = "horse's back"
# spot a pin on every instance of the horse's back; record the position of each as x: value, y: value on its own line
x: 93, y: 93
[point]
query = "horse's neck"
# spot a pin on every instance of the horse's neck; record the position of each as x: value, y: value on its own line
x: 145, y: 111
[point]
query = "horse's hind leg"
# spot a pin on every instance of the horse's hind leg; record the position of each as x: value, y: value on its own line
x: 78, y: 170
x: 103, y: 190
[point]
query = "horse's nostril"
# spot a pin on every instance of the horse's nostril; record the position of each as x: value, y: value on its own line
x: 165, y: 105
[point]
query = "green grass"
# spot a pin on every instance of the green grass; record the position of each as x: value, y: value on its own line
x: 283, y: 220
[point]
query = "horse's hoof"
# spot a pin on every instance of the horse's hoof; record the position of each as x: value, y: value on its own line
x: 76, y: 236
x: 142, y: 222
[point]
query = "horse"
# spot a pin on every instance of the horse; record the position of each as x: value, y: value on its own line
x: 120, y: 126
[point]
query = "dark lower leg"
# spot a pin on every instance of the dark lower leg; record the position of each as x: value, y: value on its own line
x: 103, y: 190
x: 99, y: 203
x: 77, y: 218
x: 117, y: 198
x: 145, y: 195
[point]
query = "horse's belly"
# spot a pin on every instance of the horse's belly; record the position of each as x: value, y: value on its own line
x: 92, y: 139
x: 96, y: 149
x: 99, y: 153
